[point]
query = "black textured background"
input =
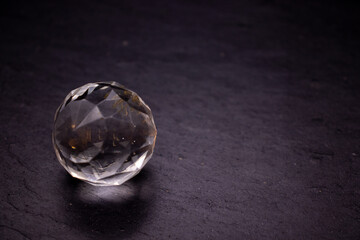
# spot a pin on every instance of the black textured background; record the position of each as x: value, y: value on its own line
x: 256, y: 103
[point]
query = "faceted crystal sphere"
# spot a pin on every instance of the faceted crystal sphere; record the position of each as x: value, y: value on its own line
x: 103, y: 133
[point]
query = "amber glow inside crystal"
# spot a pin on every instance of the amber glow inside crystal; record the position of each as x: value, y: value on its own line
x: 103, y: 133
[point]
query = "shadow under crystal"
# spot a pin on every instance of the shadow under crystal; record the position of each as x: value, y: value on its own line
x: 115, y: 211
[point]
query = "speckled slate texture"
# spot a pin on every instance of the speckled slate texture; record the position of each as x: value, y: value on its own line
x: 256, y: 104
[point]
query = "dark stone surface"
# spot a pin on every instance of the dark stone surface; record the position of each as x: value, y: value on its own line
x: 256, y: 103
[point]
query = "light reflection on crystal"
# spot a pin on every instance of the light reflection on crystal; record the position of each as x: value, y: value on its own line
x: 103, y: 133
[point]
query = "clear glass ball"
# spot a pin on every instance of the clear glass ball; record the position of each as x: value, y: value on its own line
x: 103, y: 133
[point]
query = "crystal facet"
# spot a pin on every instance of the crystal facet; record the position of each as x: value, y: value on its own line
x: 103, y: 133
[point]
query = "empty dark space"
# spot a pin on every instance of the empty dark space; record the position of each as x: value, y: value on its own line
x: 256, y: 104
